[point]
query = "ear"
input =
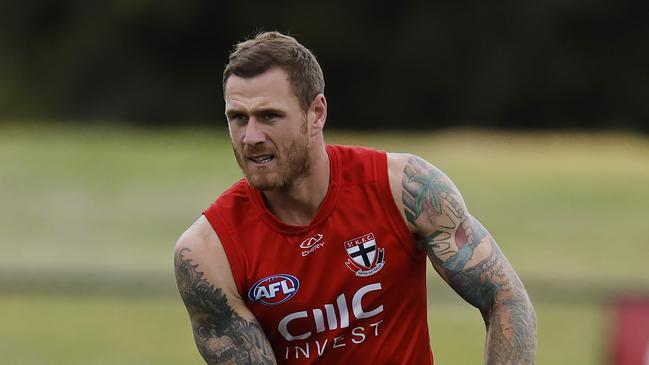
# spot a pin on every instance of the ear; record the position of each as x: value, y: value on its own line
x: 318, y: 111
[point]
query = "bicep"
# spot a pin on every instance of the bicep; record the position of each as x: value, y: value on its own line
x: 437, y: 216
x: 461, y: 250
x: 224, y: 329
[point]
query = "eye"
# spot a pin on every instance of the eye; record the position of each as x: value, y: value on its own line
x: 237, y: 118
x: 269, y: 116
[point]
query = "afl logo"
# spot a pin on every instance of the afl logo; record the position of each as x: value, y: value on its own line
x: 274, y: 289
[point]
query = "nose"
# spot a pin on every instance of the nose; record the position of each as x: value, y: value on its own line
x: 254, y: 133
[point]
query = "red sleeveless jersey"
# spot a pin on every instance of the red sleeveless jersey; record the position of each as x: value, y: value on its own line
x: 350, y: 288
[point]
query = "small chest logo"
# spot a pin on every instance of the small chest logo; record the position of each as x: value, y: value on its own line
x: 365, y: 258
x: 311, y: 244
x: 274, y: 289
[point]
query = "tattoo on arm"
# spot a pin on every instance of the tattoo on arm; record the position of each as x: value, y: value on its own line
x: 432, y: 205
x: 221, y: 335
x: 468, y: 258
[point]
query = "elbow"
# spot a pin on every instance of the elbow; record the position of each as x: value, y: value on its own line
x: 516, y: 308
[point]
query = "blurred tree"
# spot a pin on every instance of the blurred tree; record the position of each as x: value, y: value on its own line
x: 575, y: 64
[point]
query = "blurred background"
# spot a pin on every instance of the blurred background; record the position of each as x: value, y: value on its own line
x: 112, y: 142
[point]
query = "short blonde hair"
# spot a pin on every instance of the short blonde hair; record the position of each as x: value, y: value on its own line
x: 273, y: 49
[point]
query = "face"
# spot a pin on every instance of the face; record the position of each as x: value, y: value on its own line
x: 268, y: 128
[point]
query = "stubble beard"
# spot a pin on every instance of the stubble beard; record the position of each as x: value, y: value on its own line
x: 291, y: 165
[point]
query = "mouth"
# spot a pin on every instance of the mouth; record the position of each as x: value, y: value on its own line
x: 262, y: 159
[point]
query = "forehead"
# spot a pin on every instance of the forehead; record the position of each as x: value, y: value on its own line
x: 269, y: 88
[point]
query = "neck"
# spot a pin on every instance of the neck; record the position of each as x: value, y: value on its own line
x: 298, y: 203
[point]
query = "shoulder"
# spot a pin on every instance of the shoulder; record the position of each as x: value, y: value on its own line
x: 235, y: 194
x: 414, y: 180
x: 357, y: 164
x: 230, y: 209
x: 199, y: 249
x: 351, y: 151
x: 397, y: 163
x: 198, y: 237
x: 197, y: 243
x: 356, y: 155
x: 404, y: 168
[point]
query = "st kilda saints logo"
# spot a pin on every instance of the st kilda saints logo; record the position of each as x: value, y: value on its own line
x: 365, y: 258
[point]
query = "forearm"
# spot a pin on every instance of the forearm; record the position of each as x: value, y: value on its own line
x: 494, y: 288
x: 221, y: 334
x: 511, y: 331
x: 240, y: 342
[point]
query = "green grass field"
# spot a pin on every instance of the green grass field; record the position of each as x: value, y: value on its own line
x: 89, y: 216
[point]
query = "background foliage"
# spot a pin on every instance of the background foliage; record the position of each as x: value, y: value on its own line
x: 415, y: 64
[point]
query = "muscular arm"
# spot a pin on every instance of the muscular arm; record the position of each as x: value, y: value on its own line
x: 222, y: 334
x: 469, y: 260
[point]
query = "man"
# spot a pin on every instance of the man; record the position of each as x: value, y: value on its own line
x: 319, y: 254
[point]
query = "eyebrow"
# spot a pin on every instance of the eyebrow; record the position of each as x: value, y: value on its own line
x: 232, y: 112
x: 270, y: 110
x: 236, y: 111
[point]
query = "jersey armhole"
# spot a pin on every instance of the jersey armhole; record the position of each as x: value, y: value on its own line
x: 390, y: 206
x: 237, y: 263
